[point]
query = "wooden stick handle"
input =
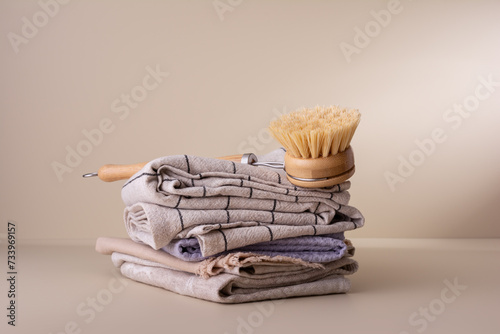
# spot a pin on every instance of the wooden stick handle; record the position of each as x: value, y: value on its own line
x: 111, y: 173
x: 233, y: 158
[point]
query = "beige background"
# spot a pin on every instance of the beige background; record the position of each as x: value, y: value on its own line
x: 229, y: 75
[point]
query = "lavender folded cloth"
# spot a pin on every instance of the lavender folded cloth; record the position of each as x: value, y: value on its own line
x: 324, y: 248
x: 235, y: 263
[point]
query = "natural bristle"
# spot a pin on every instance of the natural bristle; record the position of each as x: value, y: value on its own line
x: 317, y: 132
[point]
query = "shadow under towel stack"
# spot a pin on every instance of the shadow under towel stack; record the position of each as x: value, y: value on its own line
x: 232, y: 233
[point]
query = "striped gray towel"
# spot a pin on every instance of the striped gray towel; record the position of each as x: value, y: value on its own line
x: 228, y: 205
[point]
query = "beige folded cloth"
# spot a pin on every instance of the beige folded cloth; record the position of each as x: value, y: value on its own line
x: 235, y: 263
x: 229, y: 288
x: 228, y: 205
x: 157, y: 226
x: 207, y: 183
x: 233, y: 278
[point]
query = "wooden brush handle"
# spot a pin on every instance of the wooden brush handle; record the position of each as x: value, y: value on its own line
x: 111, y: 173
x: 233, y: 158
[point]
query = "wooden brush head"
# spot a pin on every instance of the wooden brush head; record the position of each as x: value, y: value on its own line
x: 317, y: 143
x: 320, y: 172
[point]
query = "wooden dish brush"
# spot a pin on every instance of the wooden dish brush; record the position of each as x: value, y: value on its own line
x: 317, y: 143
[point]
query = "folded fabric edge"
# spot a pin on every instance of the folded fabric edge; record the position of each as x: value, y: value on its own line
x: 207, y: 268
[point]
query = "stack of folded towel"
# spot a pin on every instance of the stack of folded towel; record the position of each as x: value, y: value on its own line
x: 231, y: 233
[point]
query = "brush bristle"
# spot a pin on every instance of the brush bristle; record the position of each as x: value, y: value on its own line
x: 317, y: 132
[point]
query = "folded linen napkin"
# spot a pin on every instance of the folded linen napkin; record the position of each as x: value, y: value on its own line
x: 231, y: 288
x: 322, y: 248
x: 222, y: 230
x: 207, y: 183
x: 228, y: 205
x: 235, y: 263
